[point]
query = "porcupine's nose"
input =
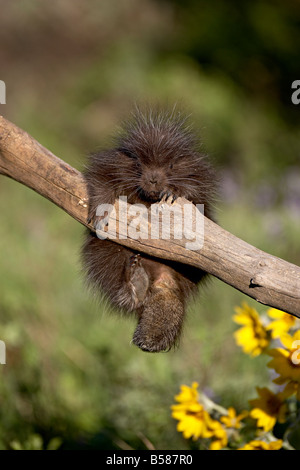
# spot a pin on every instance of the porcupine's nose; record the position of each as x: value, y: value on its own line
x: 153, y: 179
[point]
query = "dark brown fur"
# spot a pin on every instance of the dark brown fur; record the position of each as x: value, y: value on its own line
x: 156, y: 156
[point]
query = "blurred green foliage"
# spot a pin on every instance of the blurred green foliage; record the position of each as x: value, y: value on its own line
x: 73, y: 71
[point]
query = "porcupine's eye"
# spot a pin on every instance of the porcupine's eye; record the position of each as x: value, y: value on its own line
x: 128, y: 153
x: 171, y: 166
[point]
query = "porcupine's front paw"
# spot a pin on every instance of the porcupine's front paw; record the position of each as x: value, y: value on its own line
x: 138, y: 279
x: 168, y: 197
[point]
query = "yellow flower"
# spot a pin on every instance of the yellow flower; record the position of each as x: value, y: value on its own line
x: 232, y: 420
x: 286, y: 362
x: 261, y: 445
x: 188, y: 394
x: 281, y: 324
x: 194, y: 421
x: 253, y: 337
x: 220, y: 436
x: 268, y: 409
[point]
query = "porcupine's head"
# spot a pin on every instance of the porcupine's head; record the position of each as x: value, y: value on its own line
x: 163, y: 158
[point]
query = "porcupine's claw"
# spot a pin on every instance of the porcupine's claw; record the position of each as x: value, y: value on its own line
x: 168, y: 197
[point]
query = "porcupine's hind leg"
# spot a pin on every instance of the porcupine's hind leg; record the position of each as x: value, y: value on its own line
x: 140, y: 285
x: 160, y: 315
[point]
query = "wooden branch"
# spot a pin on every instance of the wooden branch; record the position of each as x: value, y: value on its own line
x: 266, y: 278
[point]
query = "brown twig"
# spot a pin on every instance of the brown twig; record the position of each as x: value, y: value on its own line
x: 266, y: 278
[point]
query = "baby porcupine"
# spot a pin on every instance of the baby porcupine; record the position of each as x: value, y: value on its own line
x: 157, y: 155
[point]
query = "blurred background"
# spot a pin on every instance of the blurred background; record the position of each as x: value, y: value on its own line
x: 73, y: 71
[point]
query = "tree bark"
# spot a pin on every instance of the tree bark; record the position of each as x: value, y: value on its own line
x: 266, y: 278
